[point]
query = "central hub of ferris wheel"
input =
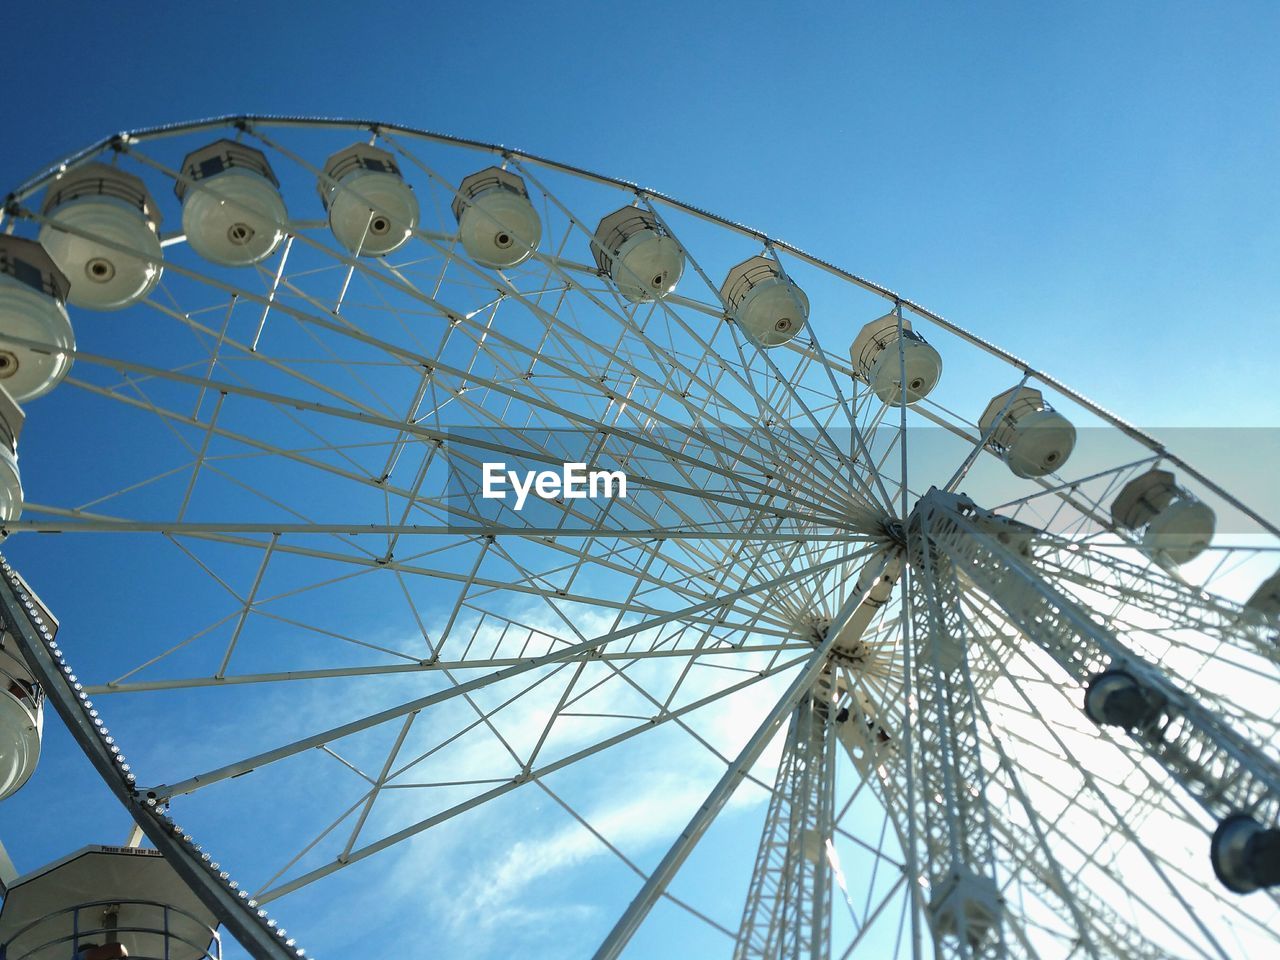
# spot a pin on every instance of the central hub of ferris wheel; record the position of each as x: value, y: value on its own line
x: 955, y: 547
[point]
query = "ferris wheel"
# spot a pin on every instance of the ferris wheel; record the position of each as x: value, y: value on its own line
x: 452, y: 536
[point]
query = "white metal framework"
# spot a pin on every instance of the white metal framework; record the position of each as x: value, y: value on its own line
x: 788, y: 910
x: 356, y: 679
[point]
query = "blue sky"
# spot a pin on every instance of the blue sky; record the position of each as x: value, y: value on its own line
x: 1092, y: 186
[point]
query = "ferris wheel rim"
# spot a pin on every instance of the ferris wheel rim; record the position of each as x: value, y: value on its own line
x: 1151, y: 444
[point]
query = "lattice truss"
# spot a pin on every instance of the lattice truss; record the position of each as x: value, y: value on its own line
x: 340, y: 664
